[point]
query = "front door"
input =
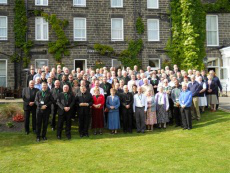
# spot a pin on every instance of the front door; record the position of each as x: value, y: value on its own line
x: 80, y: 63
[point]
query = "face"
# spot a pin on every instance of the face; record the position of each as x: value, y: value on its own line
x: 32, y: 71
x: 97, y: 83
x: 161, y: 89
x: 44, y: 86
x: 31, y: 84
x: 139, y: 90
x: 176, y: 84
x: 112, y: 92
x: 104, y: 79
x: 57, y: 84
x: 134, y: 88
x: 96, y: 92
x: 83, y: 89
x: 149, y: 93
x: 126, y: 89
x: 117, y: 85
x: 184, y: 87
x: 65, y: 88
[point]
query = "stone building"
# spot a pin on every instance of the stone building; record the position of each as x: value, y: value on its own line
x: 108, y: 22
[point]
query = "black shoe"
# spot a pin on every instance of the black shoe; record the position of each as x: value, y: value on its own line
x: 81, y: 136
x: 189, y: 128
x: 101, y: 133
x: 44, y: 138
x: 87, y: 135
x: 38, y: 139
x: 59, y: 137
x: 95, y: 133
x: 27, y: 133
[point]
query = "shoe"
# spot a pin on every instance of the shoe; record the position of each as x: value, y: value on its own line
x: 95, y: 133
x: 87, y: 135
x: 53, y: 129
x: 27, y: 133
x: 189, y: 128
x: 59, y: 137
x: 81, y: 136
x: 184, y: 128
x: 34, y: 131
x: 138, y: 131
x: 38, y: 139
x: 44, y: 138
x: 142, y: 131
x: 101, y: 133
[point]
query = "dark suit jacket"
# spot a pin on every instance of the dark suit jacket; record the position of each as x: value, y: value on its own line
x: 213, y: 86
x: 66, y: 83
x: 29, y: 78
x: 48, y: 100
x: 106, y: 87
x: 62, y: 102
x: 27, y: 98
x: 80, y: 99
x: 126, y: 99
x: 55, y: 94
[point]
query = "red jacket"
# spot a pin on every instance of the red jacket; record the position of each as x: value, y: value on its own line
x: 99, y: 100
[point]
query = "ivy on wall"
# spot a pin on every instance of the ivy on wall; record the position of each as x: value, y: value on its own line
x: 20, y: 31
x: 140, y: 27
x: 220, y: 6
x: 58, y: 48
x: 186, y: 48
x: 103, y: 49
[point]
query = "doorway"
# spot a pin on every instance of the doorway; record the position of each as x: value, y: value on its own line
x: 80, y: 63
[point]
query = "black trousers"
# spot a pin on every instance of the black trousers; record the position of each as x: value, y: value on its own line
x: 171, y: 109
x: 127, y: 119
x: 186, y: 117
x: 54, y: 113
x: 177, y: 116
x: 27, y: 119
x: 42, y: 122
x: 66, y: 117
x: 84, y: 120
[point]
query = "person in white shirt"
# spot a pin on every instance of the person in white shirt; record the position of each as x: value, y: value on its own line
x: 140, y: 109
x: 131, y: 83
x: 146, y: 86
x: 97, y: 86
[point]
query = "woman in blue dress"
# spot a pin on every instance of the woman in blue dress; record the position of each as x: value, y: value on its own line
x: 113, y: 103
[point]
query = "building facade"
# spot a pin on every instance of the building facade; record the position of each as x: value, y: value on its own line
x: 108, y: 22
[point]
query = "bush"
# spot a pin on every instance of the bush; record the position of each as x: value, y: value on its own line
x: 9, y: 124
x: 10, y: 110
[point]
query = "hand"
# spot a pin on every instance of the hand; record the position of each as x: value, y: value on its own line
x: 43, y: 107
x: 145, y: 112
x: 31, y: 103
x: 111, y: 107
x: 183, y: 106
x: 155, y: 86
x: 127, y: 106
x: 177, y: 104
x: 66, y: 109
x: 81, y: 104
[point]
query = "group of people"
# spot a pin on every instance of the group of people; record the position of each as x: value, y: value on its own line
x: 116, y: 98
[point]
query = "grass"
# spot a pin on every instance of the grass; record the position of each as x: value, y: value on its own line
x: 205, y: 148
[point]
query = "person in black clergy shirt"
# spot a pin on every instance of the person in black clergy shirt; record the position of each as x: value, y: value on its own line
x: 84, y: 101
x: 55, y: 92
x: 126, y: 100
x: 30, y: 75
x: 28, y: 96
x: 106, y: 87
x: 125, y: 77
x: 65, y: 82
x: 43, y: 101
x: 87, y: 83
x: 65, y: 102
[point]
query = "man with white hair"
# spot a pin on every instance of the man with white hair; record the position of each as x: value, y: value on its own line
x: 37, y: 83
x: 97, y: 85
x: 146, y: 87
x: 142, y: 79
x: 148, y: 72
x: 125, y: 77
x: 185, y: 100
x: 131, y: 83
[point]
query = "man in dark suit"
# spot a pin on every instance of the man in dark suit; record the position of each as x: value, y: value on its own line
x: 106, y: 86
x: 43, y: 101
x: 30, y: 76
x: 65, y: 82
x: 28, y: 96
x: 84, y: 101
x: 65, y: 102
x: 55, y: 91
x: 126, y: 100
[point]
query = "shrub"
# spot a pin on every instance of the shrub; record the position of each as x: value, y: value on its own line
x: 10, y: 110
x: 9, y: 124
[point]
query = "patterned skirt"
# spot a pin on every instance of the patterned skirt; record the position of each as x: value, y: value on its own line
x: 162, y: 115
x: 151, y: 117
x: 212, y: 99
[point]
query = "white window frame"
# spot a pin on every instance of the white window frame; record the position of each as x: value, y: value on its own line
x: 117, y: 39
x: 35, y: 65
x: 217, y: 24
x: 77, y: 5
x: 3, y: 2
x: 80, y: 60
x: 42, y: 39
x: 152, y: 7
x: 75, y: 38
x: 6, y: 70
x: 42, y: 3
x: 115, y: 60
x: 6, y: 28
x: 152, y: 29
x: 116, y: 6
x: 156, y: 68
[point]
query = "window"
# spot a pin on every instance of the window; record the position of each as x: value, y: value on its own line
x: 154, y: 64
x: 153, y: 30
x: 117, y: 33
x: 79, y: 29
x: 3, y: 28
x: 3, y: 73
x: 39, y: 63
x: 41, y: 29
x: 152, y: 4
x: 223, y: 73
x: 116, y: 63
x: 3, y: 1
x: 79, y: 3
x: 116, y: 3
x: 41, y: 2
x: 212, y: 30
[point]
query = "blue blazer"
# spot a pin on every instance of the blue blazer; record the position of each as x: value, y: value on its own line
x: 115, y: 102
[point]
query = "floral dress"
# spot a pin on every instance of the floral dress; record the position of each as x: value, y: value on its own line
x: 151, y: 115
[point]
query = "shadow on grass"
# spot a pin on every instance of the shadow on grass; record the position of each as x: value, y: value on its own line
x: 11, y: 141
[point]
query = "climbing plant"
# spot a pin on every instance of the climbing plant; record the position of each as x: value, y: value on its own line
x: 58, y: 48
x: 103, y: 49
x: 220, y: 6
x: 20, y: 30
x: 140, y: 26
x: 186, y: 48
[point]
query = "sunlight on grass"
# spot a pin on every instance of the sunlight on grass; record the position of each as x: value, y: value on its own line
x: 205, y: 148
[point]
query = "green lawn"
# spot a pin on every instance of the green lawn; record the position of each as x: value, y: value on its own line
x: 206, y: 148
